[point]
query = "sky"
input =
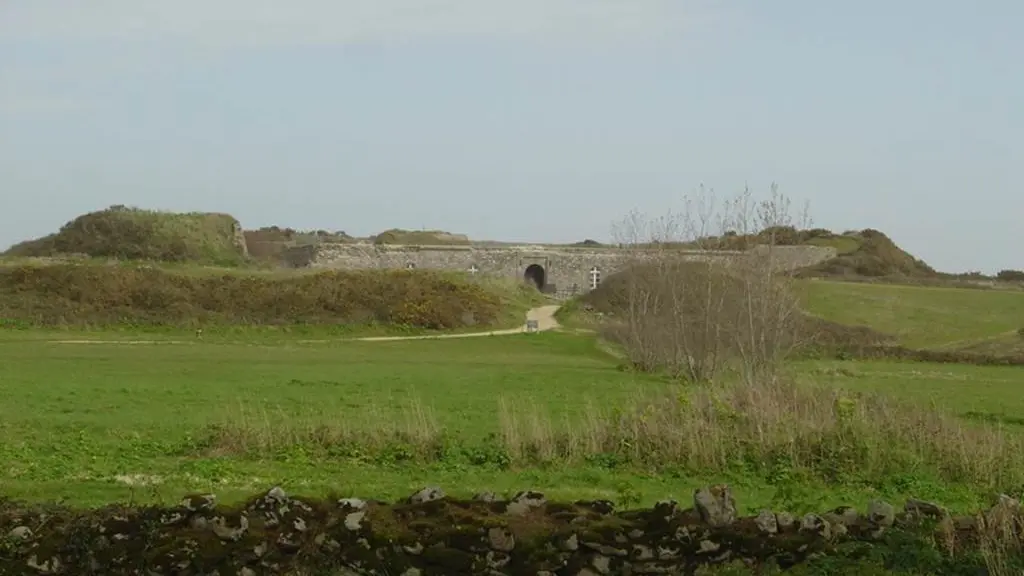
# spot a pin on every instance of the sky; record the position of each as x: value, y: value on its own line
x: 519, y: 120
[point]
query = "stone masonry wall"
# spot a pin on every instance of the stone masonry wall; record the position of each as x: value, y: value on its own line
x: 431, y: 534
x: 563, y: 267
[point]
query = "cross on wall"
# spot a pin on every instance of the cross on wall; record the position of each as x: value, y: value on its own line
x: 473, y: 269
x: 595, y: 277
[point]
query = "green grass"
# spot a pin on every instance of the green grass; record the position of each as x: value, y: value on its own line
x: 988, y: 393
x: 76, y: 416
x: 90, y: 423
x: 1009, y: 344
x: 842, y: 244
x: 920, y: 317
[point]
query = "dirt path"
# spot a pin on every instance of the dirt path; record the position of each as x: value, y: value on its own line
x: 544, y: 315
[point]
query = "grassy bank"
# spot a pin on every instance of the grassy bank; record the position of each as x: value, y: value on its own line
x: 92, y: 295
x: 919, y: 317
x: 132, y: 233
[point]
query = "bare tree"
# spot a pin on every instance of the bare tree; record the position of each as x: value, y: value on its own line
x: 703, y: 290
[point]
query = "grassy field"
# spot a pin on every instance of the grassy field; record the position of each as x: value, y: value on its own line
x: 920, y: 317
x: 98, y: 423
x: 986, y: 393
x: 78, y: 416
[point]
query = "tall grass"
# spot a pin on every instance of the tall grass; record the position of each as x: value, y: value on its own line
x: 782, y: 428
x: 413, y: 432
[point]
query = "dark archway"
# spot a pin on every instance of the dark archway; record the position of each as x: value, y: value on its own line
x: 535, y: 275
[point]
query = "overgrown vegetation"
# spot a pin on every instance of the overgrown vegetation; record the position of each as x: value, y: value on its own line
x: 94, y: 295
x: 271, y: 243
x: 421, y: 238
x: 1011, y: 275
x: 694, y: 318
x: 857, y: 320
x: 864, y: 253
x: 135, y: 234
x: 781, y: 431
x: 867, y: 253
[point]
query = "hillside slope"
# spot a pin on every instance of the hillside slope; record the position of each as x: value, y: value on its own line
x: 918, y: 316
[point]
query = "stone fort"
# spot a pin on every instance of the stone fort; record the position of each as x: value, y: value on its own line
x: 552, y: 269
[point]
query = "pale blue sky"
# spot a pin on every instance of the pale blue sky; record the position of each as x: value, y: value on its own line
x: 536, y: 120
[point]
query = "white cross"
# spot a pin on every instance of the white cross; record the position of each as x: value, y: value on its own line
x: 595, y: 277
x: 410, y: 266
x: 473, y: 269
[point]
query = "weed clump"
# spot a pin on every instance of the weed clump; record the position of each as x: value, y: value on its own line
x: 94, y: 295
x: 134, y: 234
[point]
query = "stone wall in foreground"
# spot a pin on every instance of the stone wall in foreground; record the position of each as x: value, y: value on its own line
x: 429, y: 533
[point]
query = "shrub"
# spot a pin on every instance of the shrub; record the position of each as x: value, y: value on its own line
x: 693, y: 318
x: 69, y: 294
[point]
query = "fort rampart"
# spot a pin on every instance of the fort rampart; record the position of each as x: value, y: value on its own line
x: 550, y: 268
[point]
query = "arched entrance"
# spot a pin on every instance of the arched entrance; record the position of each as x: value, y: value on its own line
x: 535, y: 275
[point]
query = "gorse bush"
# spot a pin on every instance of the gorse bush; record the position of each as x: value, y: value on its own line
x: 71, y: 294
x: 135, y: 234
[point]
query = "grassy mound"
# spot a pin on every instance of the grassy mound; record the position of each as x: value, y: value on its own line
x: 421, y: 238
x: 89, y: 294
x: 135, y: 234
x: 867, y: 253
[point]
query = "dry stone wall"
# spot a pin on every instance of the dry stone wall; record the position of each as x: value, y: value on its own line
x: 557, y: 269
x: 430, y: 534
